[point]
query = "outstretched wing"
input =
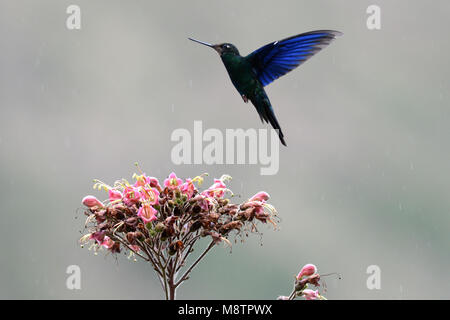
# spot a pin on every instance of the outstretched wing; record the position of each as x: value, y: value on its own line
x: 278, y: 58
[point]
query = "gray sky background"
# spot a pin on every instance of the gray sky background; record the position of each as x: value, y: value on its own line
x: 364, y: 179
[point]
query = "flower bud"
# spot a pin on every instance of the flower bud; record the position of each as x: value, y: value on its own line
x: 195, y: 226
x: 167, y: 233
x: 196, y: 209
x: 131, y: 221
x: 177, y: 211
x: 260, y: 196
x: 91, y: 201
x: 160, y: 227
x: 307, y: 270
x: 115, y: 247
x: 131, y: 237
x: 154, y: 183
x: 175, y: 246
x: 314, y: 279
x: 139, y: 235
x: 172, y: 250
x: 114, y: 195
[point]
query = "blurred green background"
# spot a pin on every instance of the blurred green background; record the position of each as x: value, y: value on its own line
x: 364, y: 179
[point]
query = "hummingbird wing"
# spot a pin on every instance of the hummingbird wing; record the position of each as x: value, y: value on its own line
x: 278, y: 58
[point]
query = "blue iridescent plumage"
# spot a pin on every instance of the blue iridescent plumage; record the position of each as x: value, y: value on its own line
x: 278, y: 58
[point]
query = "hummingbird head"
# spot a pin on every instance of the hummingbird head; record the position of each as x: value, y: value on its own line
x: 226, y: 48
x: 223, y: 48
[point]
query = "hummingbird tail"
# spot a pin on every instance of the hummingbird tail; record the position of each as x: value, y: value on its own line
x: 266, y: 113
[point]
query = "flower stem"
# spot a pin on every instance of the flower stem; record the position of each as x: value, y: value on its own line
x: 292, y: 295
x: 186, y: 274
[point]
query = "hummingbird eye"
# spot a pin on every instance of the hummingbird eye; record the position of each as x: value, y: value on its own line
x: 226, y: 46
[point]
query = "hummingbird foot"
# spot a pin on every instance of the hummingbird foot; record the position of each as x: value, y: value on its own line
x: 244, y: 98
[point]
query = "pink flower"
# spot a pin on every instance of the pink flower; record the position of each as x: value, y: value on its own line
x: 107, y: 242
x: 307, y: 270
x: 91, y: 201
x: 203, y: 201
x: 205, y: 204
x: 260, y: 196
x: 131, y: 195
x: 98, y: 236
x: 216, y: 190
x: 114, y: 195
x: 172, y: 181
x: 147, y: 213
x: 140, y: 181
x: 257, y: 205
x: 143, y: 180
x: 150, y: 195
x: 154, y: 183
x: 310, y: 294
x: 188, y: 188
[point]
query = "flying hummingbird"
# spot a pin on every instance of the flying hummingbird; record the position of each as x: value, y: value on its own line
x: 250, y: 74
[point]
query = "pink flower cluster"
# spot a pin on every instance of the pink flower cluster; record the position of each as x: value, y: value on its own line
x: 145, y: 212
x: 144, y: 192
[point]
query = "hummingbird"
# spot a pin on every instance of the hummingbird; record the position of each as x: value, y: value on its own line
x: 250, y: 74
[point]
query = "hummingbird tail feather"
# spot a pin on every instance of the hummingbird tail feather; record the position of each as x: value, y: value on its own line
x: 266, y: 113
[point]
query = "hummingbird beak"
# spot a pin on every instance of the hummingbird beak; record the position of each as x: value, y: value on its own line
x: 215, y: 47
